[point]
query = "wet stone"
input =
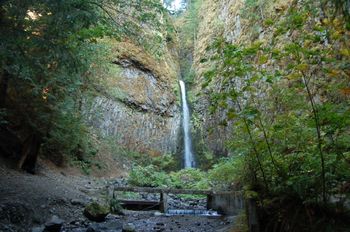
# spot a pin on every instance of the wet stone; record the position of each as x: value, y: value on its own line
x: 38, y: 229
x: 77, y: 202
x: 54, y: 225
x: 106, y: 226
x: 129, y: 228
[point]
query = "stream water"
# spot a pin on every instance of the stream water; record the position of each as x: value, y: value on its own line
x: 188, y: 154
x: 199, y: 212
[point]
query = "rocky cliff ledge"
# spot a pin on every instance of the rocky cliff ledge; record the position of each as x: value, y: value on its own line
x: 137, y: 104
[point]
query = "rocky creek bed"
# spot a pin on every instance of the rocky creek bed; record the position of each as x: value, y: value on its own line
x: 152, y: 221
x: 31, y: 202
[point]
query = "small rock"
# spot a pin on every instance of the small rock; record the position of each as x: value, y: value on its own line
x: 54, y: 225
x: 90, y: 229
x: 157, y: 214
x: 38, y: 229
x: 107, y: 226
x: 83, y: 190
x: 231, y: 219
x: 77, y: 202
x: 129, y: 228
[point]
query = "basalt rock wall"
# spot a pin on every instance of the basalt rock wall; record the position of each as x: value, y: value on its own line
x: 137, y: 103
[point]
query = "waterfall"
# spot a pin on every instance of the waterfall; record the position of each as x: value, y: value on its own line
x: 188, y: 155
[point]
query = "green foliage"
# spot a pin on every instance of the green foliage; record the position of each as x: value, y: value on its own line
x: 189, y: 178
x: 289, y: 111
x: 341, y: 6
x: 252, y: 9
x: 206, y: 158
x: 190, y: 77
x: 226, y: 174
x: 164, y: 162
x: 114, y: 206
x: 96, y: 212
x: 49, y: 54
x: 97, y: 208
x: 148, y: 176
x: 269, y: 22
x: 187, y: 26
x: 66, y: 135
x: 241, y: 223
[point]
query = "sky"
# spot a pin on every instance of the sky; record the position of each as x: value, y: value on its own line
x: 176, y: 5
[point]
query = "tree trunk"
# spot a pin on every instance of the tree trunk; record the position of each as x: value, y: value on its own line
x: 319, y: 136
x: 3, y: 88
x: 10, y: 144
x: 30, y: 151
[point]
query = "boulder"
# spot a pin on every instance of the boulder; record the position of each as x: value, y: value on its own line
x: 54, y: 224
x: 107, y: 226
x: 78, y: 202
x: 96, y: 212
x: 129, y: 228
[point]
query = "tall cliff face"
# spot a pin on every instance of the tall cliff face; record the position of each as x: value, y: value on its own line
x: 217, y: 18
x: 137, y: 103
x: 273, y: 24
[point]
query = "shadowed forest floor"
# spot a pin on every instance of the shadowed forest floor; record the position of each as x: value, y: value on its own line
x: 28, y: 201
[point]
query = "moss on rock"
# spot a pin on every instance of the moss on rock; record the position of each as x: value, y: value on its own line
x: 96, y: 212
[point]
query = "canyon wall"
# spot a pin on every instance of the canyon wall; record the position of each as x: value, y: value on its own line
x: 137, y: 101
x: 273, y: 25
x: 217, y: 18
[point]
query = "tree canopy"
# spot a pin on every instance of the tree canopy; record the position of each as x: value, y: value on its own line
x: 48, y: 51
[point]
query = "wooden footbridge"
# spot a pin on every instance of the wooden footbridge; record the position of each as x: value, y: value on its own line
x: 224, y: 202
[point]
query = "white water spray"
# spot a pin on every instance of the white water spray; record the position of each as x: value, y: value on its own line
x: 188, y: 155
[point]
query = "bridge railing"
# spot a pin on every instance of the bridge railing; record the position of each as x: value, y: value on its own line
x: 225, y: 202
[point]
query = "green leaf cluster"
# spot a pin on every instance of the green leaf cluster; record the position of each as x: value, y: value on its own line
x: 151, y: 176
x: 49, y: 53
x: 287, y: 103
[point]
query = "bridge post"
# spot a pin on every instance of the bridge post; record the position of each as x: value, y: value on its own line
x: 253, y: 221
x: 225, y: 203
x: 210, y: 201
x: 163, y: 202
x: 110, y: 192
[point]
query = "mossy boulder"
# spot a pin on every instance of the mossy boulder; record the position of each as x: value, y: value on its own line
x: 96, y: 212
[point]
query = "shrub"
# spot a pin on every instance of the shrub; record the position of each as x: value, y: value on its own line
x: 164, y: 162
x: 114, y: 206
x: 68, y: 139
x: 148, y: 176
x: 226, y: 173
x: 189, y: 178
